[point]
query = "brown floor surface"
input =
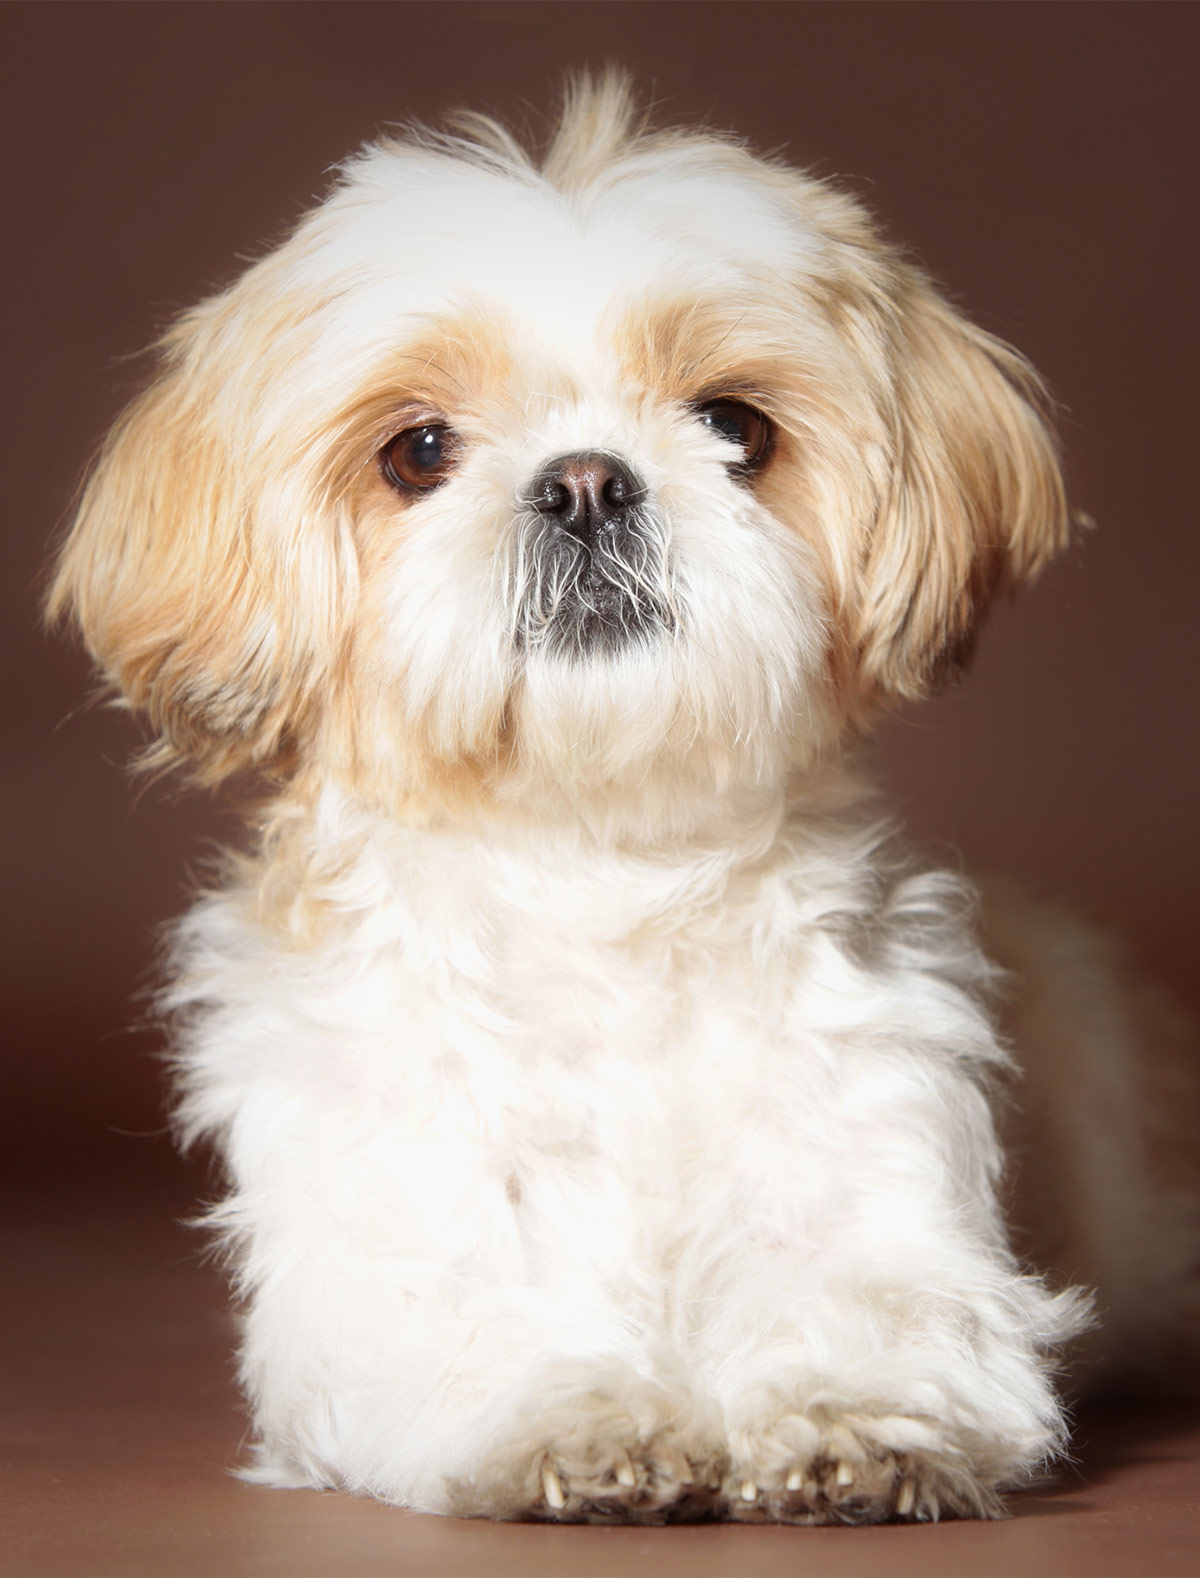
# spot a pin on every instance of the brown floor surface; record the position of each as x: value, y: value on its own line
x: 124, y: 1421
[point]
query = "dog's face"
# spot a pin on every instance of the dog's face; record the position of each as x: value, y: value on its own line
x: 653, y: 465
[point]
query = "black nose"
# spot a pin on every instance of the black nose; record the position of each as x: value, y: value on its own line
x: 585, y: 493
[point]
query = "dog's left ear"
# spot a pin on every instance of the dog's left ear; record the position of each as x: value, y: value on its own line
x: 968, y: 496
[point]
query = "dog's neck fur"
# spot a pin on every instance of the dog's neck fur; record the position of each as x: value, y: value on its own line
x: 327, y: 860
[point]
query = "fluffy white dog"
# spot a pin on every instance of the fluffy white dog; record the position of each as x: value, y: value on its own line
x: 608, y: 1100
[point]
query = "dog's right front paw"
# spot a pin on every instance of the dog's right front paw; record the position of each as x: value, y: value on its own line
x: 664, y: 1479
x: 598, y: 1454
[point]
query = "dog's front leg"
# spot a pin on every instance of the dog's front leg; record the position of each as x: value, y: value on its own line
x: 418, y: 1328
x: 874, y: 1348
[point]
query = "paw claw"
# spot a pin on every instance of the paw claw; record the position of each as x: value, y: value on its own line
x: 623, y: 1469
x: 844, y: 1477
x: 906, y: 1498
x: 749, y: 1491
x: 552, y: 1488
x: 795, y: 1479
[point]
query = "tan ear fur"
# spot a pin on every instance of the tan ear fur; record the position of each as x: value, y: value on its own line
x: 197, y: 593
x: 974, y: 503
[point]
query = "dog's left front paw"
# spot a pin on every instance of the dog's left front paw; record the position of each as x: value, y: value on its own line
x: 831, y: 1466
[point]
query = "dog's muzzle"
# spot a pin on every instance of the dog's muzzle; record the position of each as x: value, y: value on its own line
x: 591, y: 561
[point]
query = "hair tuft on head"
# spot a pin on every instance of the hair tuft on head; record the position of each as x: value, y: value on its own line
x: 599, y: 121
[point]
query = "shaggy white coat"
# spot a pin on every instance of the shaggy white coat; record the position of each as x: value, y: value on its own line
x: 606, y: 1096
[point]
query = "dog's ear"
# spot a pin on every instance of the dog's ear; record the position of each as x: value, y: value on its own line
x: 200, y: 567
x: 968, y: 496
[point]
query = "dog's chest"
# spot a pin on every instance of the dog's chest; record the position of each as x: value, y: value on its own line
x: 558, y: 1000
x: 496, y: 1046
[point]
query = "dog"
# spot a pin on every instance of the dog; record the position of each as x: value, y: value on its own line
x: 621, y: 1123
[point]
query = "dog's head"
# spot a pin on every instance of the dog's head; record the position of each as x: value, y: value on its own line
x: 651, y: 459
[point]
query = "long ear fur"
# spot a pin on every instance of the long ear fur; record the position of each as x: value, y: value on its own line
x: 973, y: 500
x: 204, y: 587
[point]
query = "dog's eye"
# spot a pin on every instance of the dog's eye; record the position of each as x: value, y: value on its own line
x: 741, y: 424
x: 420, y: 458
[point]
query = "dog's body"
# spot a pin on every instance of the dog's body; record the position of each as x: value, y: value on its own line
x: 607, y: 1099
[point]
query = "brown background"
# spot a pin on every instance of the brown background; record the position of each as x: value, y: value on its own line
x: 1041, y: 159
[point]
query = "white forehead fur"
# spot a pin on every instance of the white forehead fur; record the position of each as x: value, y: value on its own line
x: 414, y: 234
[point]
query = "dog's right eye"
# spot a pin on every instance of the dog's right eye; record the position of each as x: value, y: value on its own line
x: 420, y: 458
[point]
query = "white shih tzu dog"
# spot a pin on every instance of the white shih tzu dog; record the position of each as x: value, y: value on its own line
x: 609, y: 1104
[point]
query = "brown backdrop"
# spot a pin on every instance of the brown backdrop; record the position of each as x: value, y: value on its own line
x: 1039, y: 158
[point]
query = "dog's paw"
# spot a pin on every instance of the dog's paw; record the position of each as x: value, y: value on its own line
x: 827, y: 1466
x: 627, y: 1480
x: 633, y: 1453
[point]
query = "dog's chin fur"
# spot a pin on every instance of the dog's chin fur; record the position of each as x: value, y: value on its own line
x: 606, y: 1097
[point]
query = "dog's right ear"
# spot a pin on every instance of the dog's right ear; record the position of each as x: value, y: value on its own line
x: 204, y: 572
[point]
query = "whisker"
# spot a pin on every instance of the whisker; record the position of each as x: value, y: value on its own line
x: 569, y: 595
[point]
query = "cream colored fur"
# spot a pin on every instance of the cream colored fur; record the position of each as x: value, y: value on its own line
x: 607, y: 1097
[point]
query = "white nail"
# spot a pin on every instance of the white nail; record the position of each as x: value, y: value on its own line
x: 749, y: 1490
x: 845, y: 1475
x: 624, y: 1470
x: 906, y: 1497
x: 795, y: 1479
x: 552, y: 1488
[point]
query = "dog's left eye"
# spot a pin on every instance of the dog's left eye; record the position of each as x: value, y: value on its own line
x: 420, y: 458
x: 741, y: 424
